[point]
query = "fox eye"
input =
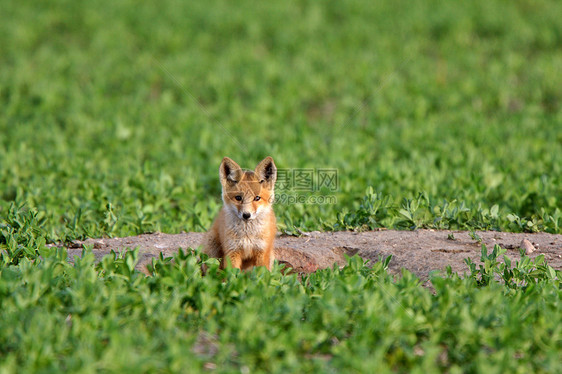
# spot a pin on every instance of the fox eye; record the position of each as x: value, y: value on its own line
x: 238, y: 198
x: 257, y: 198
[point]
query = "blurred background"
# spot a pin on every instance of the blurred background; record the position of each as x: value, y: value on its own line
x: 115, y: 115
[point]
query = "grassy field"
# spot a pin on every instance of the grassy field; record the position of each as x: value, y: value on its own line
x: 59, y: 318
x: 114, y: 117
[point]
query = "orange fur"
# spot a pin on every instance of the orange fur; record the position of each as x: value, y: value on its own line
x: 244, y: 231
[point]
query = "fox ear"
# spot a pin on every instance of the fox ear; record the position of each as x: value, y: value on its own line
x: 267, y: 171
x: 229, y: 171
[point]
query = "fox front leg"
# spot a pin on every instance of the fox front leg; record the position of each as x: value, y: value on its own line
x: 234, y: 259
x: 265, y: 259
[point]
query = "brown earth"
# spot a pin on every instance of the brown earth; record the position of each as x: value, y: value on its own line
x: 418, y: 251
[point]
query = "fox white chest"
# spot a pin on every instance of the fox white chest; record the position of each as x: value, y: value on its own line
x: 245, y: 245
x: 245, y: 237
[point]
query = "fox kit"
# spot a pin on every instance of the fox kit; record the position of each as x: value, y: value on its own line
x: 244, y: 231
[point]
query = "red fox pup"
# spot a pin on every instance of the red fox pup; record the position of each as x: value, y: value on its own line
x: 244, y: 231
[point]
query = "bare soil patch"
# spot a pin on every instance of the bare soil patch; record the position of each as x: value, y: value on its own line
x: 419, y: 251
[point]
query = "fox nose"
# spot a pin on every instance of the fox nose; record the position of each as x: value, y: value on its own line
x: 246, y: 215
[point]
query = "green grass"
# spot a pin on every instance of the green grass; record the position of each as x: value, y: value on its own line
x: 115, y: 116
x: 57, y: 317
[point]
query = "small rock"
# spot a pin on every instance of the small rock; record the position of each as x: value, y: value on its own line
x: 527, y: 246
x: 418, y: 351
x: 210, y: 365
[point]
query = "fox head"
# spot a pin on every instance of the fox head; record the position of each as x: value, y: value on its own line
x: 246, y: 193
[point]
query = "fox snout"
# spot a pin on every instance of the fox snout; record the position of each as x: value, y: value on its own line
x: 246, y: 212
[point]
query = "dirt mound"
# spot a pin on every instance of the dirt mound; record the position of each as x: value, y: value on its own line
x: 418, y: 251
